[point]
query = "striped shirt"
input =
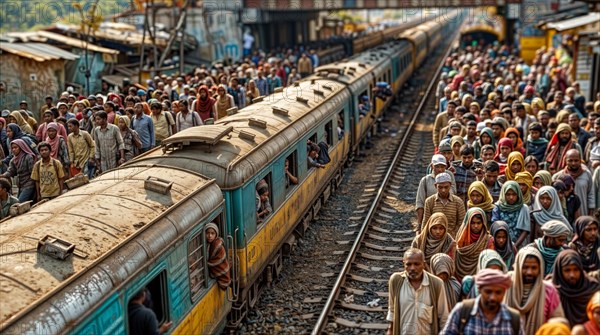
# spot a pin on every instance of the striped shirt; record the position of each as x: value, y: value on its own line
x: 453, y: 208
x: 478, y: 323
x: 427, y: 188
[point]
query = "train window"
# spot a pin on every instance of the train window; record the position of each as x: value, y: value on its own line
x: 264, y: 199
x: 291, y: 166
x: 329, y: 133
x: 196, y: 264
x: 153, y: 296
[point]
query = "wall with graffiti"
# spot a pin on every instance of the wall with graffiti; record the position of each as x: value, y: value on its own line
x: 218, y: 33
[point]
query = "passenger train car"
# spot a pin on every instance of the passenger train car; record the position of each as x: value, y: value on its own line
x: 127, y: 235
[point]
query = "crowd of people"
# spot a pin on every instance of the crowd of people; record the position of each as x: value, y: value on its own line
x: 74, y: 134
x: 508, y: 213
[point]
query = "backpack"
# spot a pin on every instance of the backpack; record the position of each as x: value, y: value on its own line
x: 465, y: 315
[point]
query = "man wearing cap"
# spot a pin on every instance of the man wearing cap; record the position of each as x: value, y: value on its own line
x: 417, y: 299
x: 47, y: 105
x: 454, y: 128
x: 427, y: 184
x: 444, y: 202
x: 486, y: 314
x: 555, y: 235
x: 441, y: 120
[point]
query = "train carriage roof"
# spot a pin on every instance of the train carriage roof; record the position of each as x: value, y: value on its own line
x: 236, y: 148
x: 98, y: 218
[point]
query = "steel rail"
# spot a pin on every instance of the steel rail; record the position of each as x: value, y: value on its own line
x: 329, y: 304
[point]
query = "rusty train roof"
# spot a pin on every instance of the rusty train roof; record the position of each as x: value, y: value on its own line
x: 97, y: 218
x: 237, y: 147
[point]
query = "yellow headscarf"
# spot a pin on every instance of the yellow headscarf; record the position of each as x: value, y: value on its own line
x: 21, y: 122
x: 488, y: 202
x: 525, y: 178
x: 593, y: 304
x: 554, y: 328
x: 539, y: 103
x: 514, y: 156
x: 562, y: 116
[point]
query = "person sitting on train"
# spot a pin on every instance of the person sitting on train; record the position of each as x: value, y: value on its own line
x: 263, y: 205
x: 290, y: 179
x: 142, y: 320
x: 6, y: 197
x: 313, y: 155
x: 363, y: 106
x: 218, y: 265
x: 340, y: 127
x: 382, y: 90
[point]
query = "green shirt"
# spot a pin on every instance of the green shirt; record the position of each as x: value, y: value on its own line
x: 11, y: 200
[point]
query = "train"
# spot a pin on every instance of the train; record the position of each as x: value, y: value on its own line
x: 73, y: 264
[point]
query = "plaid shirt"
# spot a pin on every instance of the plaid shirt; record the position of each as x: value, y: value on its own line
x: 478, y: 323
x: 464, y: 177
x: 494, y: 190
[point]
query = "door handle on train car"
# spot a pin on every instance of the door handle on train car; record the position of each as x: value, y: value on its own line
x: 234, y: 267
x: 246, y: 250
x: 237, y: 270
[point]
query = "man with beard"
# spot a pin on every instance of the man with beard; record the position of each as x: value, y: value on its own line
x: 441, y: 120
x: 464, y: 174
x: 427, y: 184
x: 574, y: 286
x: 486, y: 314
x: 423, y: 296
x: 584, y: 186
x: 561, y: 142
x: 552, y: 242
x: 536, y: 299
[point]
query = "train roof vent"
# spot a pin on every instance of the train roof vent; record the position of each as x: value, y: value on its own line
x: 333, y: 76
x: 296, y: 83
x: 257, y: 123
x: 352, y: 68
x: 328, y: 87
x: 158, y: 185
x: 319, y: 92
x: 210, y: 135
x: 246, y: 135
x: 278, y: 89
x: 55, y: 247
x: 312, y: 81
x: 302, y: 100
x: 232, y: 111
x: 280, y: 111
x: 258, y: 99
x: 362, y: 65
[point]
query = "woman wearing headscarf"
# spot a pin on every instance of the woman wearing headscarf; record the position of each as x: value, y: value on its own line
x: 434, y: 237
x: 204, y: 104
x: 511, y: 209
x: 21, y: 166
x: 586, y: 242
x: 131, y: 139
x: 58, y: 145
x: 224, y: 101
x: 514, y: 136
x: 16, y: 118
x: 488, y: 259
x: 472, y: 238
x: 503, y: 150
x: 542, y: 178
x: 442, y: 266
x: 486, y: 136
x: 479, y: 196
x: 455, y: 143
x: 536, y: 300
x: 502, y: 242
x: 514, y: 164
x: 573, y: 285
x: 546, y: 207
x: 525, y: 181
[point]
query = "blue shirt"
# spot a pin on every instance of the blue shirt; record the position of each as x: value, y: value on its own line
x: 145, y: 128
x: 478, y: 323
x: 262, y: 85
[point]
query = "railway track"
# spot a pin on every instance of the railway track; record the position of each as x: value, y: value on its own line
x: 298, y: 299
x: 382, y: 227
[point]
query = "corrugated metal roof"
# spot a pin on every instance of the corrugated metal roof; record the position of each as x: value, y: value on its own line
x: 39, y: 52
x: 575, y: 22
x: 43, y: 36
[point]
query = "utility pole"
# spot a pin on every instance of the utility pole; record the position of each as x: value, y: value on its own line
x: 87, y: 26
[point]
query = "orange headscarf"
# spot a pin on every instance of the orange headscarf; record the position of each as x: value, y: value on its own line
x: 519, y: 144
